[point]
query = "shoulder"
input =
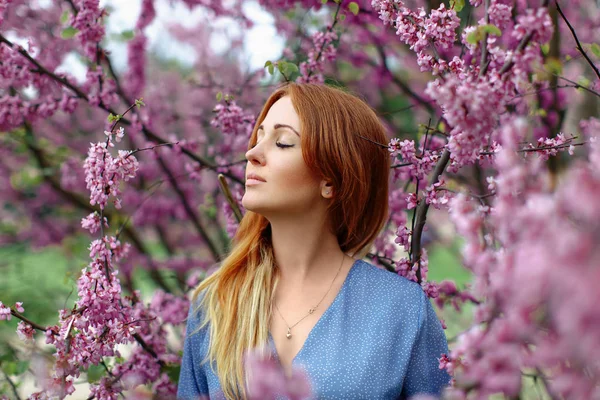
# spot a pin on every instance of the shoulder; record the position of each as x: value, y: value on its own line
x: 383, y: 284
x: 195, y: 316
x: 393, y: 298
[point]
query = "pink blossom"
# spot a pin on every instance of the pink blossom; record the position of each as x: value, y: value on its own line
x: 4, y: 312
x: 267, y: 379
x: 147, y: 14
x: 135, y: 78
x: 403, y: 237
x: 3, y: 6
x: 90, y: 28
x: 92, y: 222
x: 536, y: 22
x: 25, y: 331
x: 499, y: 14
x: 311, y: 71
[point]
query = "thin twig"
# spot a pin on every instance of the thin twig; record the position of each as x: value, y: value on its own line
x: 577, y: 41
x: 329, y: 29
x: 12, y: 385
x: 27, y: 321
x: 225, y: 189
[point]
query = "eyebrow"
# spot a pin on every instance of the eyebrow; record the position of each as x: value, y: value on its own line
x: 277, y: 126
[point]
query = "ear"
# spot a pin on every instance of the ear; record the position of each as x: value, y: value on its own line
x: 326, y: 189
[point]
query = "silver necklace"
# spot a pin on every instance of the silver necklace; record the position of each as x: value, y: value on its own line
x: 310, y: 310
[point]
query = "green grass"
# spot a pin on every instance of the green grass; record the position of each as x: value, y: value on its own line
x: 43, y: 280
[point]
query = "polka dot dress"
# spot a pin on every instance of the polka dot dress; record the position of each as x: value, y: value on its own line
x: 379, y: 339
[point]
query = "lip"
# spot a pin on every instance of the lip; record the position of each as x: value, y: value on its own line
x: 255, y: 177
x: 252, y: 182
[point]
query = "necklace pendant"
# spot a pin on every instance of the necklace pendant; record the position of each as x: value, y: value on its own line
x: 311, y: 310
x: 288, y: 334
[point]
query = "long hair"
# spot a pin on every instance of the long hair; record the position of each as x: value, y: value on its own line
x: 338, y: 131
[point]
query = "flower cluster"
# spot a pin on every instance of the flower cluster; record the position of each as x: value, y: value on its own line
x: 135, y: 79
x: 553, y: 313
x: 536, y: 22
x: 471, y: 106
x: 16, y: 72
x: 267, y: 380
x: 99, y: 321
x: 323, y: 50
x: 142, y: 367
x: 4, y: 312
x: 87, y: 20
x: 235, y: 125
x: 419, y: 165
x: 100, y: 89
x: 419, y: 30
x: 25, y: 331
x: 104, y: 173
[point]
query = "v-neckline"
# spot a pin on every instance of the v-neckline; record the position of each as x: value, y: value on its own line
x: 335, y: 300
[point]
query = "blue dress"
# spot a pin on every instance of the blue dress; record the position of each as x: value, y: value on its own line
x: 379, y: 339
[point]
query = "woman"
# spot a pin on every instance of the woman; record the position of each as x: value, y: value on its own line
x: 316, y: 198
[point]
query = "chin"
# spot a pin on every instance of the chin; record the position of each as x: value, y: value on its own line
x: 248, y: 205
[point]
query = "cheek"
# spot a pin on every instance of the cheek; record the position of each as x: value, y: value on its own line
x: 295, y: 175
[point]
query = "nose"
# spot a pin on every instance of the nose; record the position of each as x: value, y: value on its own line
x: 254, y: 155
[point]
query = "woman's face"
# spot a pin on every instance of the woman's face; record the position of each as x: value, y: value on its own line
x: 289, y: 187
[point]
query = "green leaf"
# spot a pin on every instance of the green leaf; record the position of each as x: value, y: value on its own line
x: 478, y: 34
x: 219, y: 96
x: 271, y: 69
x: 64, y: 17
x: 127, y: 35
x: 457, y: 5
x: 95, y: 373
x: 291, y: 68
x: 596, y: 49
x: 353, y: 7
x: 583, y: 81
x: 553, y: 65
x: 281, y: 66
x: 323, y: 1
x: 15, y: 367
x: 139, y: 102
x: 68, y: 33
x: 112, y: 117
x: 172, y: 371
x: 211, y: 212
x: 341, y: 17
x: 268, y: 63
x: 491, y: 29
x: 545, y: 48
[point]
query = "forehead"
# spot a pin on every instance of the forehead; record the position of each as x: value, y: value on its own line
x: 282, y: 112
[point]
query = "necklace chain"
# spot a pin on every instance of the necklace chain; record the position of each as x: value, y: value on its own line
x: 310, y: 310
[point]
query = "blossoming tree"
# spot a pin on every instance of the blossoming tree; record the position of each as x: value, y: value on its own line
x: 504, y: 99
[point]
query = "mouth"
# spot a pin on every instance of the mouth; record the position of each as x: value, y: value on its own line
x: 253, y: 181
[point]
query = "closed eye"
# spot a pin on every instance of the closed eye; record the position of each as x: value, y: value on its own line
x: 284, y: 146
x: 281, y: 145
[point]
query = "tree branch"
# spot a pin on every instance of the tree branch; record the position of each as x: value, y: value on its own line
x: 423, y: 207
x: 28, y: 321
x: 581, y: 50
x: 147, y: 132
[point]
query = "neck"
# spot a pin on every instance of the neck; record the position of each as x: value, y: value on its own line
x: 305, y: 254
